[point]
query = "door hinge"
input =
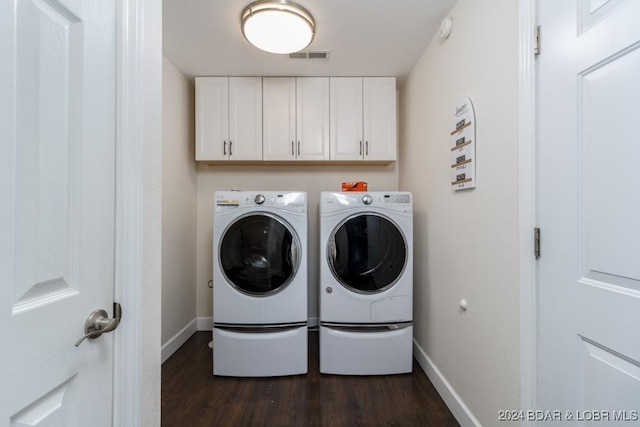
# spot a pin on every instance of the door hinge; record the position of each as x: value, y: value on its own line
x: 536, y: 242
x: 536, y: 40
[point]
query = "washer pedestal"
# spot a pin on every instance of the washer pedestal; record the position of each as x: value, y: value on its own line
x: 264, y: 353
x: 366, y: 351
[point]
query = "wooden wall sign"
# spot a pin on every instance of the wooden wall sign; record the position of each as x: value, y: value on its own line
x: 463, y: 146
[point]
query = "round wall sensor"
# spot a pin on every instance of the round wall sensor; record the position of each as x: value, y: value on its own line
x: 445, y: 28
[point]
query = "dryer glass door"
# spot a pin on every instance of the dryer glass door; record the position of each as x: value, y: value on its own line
x: 367, y: 253
x: 259, y: 254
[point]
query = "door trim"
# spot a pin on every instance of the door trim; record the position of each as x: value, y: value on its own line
x: 527, y: 164
x: 127, y: 404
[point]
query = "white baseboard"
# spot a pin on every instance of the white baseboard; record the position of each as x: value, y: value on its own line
x: 205, y: 323
x: 177, y: 340
x: 457, y: 407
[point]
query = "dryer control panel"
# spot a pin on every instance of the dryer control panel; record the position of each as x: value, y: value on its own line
x: 400, y: 201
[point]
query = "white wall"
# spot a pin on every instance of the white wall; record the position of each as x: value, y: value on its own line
x: 466, y: 243
x: 312, y: 179
x: 178, y: 204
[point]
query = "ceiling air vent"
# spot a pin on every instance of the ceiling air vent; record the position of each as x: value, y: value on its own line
x: 310, y: 54
x: 298, y: 55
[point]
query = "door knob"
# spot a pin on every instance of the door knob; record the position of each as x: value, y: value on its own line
x: 99, y: 323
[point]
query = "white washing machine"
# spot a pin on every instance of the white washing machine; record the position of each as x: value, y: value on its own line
x: 366, y: 283
x: 259, y: 283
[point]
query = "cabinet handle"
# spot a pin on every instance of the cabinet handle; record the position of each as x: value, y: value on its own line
x: 293, y: 153
x: 298, y: 148
x: 361, y: 148
x: 230, y: 145
x: 224, y: 148
x: 366, y: 148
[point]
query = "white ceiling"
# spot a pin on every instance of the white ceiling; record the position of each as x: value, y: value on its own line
x: 364, y: 37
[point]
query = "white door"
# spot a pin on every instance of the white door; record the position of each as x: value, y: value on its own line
x: 245, y: 118
x: 57, y: 124
x: 589, y: 207
x: 279, y: 118
x: 379, y: 110
x: 312, y: 118
x: 212, y: 118
x: 346, y: 118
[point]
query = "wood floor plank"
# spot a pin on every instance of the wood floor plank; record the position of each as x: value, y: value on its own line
x: 192, y: 396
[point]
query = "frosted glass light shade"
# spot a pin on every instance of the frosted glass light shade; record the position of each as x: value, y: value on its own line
x: 277, y: 26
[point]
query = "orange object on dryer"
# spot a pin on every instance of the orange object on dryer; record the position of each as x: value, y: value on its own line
x: 354, y: 186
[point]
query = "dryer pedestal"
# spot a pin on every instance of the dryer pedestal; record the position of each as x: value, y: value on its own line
x: 366, y: 351
x: 259, y: 353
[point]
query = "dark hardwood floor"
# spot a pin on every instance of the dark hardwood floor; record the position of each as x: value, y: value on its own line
x: 192, y: 396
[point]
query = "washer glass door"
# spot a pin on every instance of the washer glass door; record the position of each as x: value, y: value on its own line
x: 367, y: 253
x: 259, y: 254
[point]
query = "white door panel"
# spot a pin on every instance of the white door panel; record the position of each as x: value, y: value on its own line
x: 379, y: 108
x: 245, y: 118
x: 57, y: 191
x: 589, y: 201
x: 312, y: 116
x: 212, y: 118
x: 345, y: 118
x: 609, y: 126
x: 279, y: 118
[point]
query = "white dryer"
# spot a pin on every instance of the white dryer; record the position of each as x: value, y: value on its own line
x: 259, y: 283
x: 366, y: 283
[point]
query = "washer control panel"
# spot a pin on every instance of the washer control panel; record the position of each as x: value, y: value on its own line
x: 234, y: 199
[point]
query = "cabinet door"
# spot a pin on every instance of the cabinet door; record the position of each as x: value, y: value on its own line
x: 212, y: 118
x: 312, y: 116
x: 245, y: 118
x: 279, y: 118
x: 379, y: 105
x: 346, y: 118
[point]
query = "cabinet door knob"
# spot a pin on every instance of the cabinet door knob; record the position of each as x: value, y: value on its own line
x: 298, y: 148
x: 224, y: 148
x: 361, y: 148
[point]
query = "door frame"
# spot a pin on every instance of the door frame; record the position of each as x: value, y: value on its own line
x: 130, y: 137
x: 528, y: 204
x: 128, y: 368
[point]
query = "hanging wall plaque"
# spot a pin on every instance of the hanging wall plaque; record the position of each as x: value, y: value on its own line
x: 463, y: 146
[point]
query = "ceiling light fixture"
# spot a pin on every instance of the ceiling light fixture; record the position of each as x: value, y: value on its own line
x: 278, y: 26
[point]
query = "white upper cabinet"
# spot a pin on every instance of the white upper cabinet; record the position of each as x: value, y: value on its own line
x: 379, y: 114
x: 312, y: 118
x: 228, y: 118
x: 279, y: 118
x: 296, y: 118
x: 363, y: 118
x: 346, y: 118
x: 245, y: 118
x: 212, y: 118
